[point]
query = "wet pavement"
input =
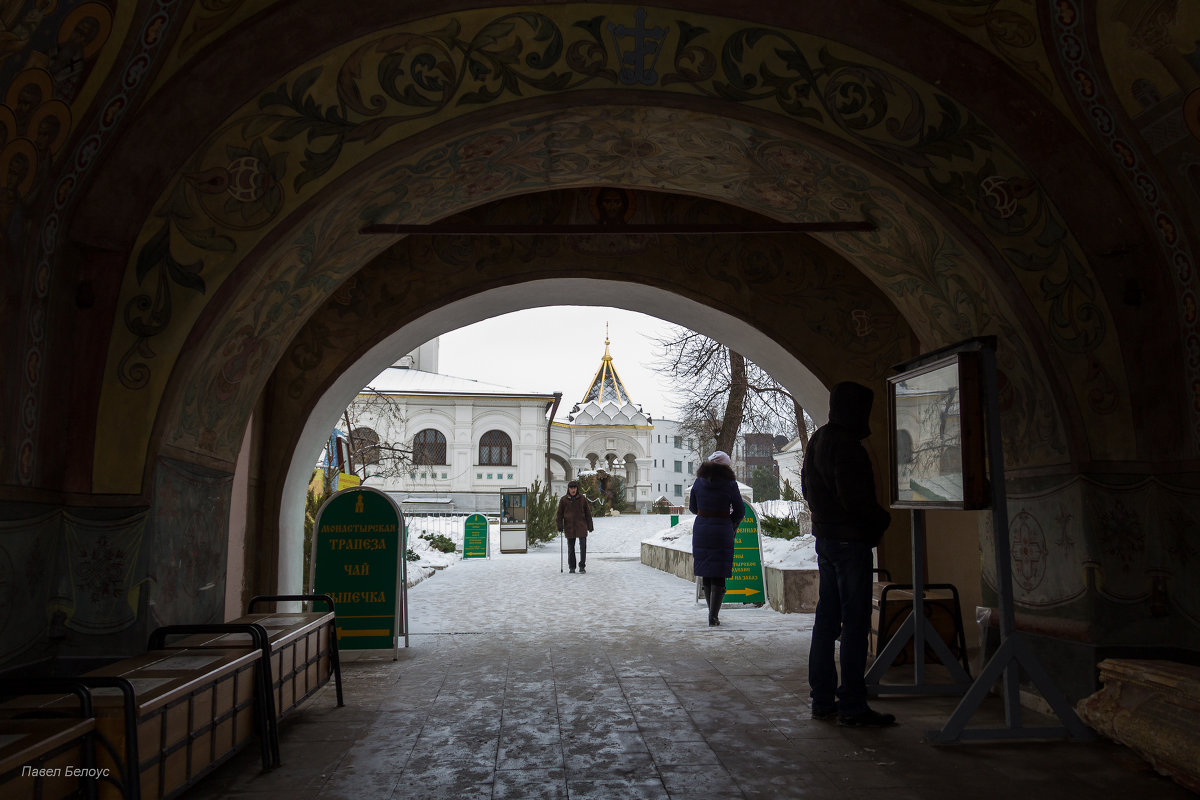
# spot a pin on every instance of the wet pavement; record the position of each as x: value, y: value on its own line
x: 522, y: 681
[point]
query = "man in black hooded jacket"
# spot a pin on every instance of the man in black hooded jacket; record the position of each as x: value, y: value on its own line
x: 839, y: 486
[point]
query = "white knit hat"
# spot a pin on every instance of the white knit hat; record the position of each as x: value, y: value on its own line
x: 721, y: 457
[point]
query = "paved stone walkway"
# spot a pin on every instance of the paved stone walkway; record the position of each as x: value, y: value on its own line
x: 525, y: 682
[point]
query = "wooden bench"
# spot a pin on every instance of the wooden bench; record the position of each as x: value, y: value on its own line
x: 165, y: 718
x: 189, y: 711
x: 161, y: 720
x: 303, y: 648
x: 250, y: 639
x: 45, y: 756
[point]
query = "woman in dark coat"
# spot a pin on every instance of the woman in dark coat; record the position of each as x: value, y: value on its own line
x: 718, y: 506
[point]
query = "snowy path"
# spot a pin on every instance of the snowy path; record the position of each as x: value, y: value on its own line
x: 526, y: 594
x: 522, y: 682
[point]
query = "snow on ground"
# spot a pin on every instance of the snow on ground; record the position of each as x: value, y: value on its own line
x: 620, y: 535
x: 798, y: 553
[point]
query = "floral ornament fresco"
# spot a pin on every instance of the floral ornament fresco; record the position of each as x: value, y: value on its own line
x: 90, y: 38
x: 910, y: 256
x: 1008, y: 28
x: 47, y: 52
x: 1117, y: 539
x: 104, y: 558
x: 385, y: 89
x: 1126, y: 146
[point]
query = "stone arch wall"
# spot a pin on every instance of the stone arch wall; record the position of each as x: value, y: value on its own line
x: 941, y: 313
x: 982, y: 229
x: 1000, y: 206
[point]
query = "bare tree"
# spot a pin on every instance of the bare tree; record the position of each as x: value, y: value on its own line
x: 376, y: 432
x: 727, y: 393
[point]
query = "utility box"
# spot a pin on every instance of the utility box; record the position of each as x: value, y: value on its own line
x: 514, y: 520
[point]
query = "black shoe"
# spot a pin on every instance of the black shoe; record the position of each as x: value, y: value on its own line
x: 572, y: 572
x: 582, y: 570
x: 824, y: 713
x: 866, y: 719
x: 713, y: 622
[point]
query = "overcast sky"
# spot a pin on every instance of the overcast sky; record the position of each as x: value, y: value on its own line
x: 559, y: 349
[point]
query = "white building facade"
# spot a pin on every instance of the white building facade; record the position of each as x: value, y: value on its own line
x: 674, y: 460
x: 466, y: 439
x: 790, y: 460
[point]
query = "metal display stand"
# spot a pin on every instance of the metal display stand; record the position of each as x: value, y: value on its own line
x: 1014, y: 651
x: 919, y: 628
x: 514, y: 519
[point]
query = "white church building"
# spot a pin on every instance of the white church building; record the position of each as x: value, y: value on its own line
x: 470, y: 439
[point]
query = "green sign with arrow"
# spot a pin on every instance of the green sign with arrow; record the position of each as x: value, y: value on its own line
x: 475, y: 537
x: 358, y: 560
x: 746, y: 585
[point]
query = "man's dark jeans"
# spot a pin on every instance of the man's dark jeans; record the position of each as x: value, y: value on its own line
x: 843, y: 607
x: 571, y: 552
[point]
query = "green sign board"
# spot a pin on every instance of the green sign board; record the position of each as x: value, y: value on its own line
x: 475, y: 537
x: 746, y: 585
x: 358, y: 560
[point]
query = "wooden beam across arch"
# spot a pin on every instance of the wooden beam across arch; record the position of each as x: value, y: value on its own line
x: 656, y: 229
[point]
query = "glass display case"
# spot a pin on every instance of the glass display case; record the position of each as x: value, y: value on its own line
x: 514, y: 516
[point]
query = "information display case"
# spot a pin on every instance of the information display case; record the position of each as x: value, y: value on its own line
x: 514, y: 519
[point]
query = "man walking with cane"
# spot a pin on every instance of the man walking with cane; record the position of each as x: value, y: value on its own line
x: 574, y: 519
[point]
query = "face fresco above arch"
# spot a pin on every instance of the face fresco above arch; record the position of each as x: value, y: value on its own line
x: 353, y: 115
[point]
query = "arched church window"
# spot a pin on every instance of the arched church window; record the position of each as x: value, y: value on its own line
x: 495, y: 449
x: 429, y: 447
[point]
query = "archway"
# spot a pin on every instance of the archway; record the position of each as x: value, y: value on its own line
x: 561, y: 472
x: 945, y: 262
x: 718, y: 324
x: 203, y: 293
x: 633, y: 477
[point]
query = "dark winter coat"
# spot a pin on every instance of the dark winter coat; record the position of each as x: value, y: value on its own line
x: 574, y: 516
x: 836, y: 477
x: 715, y: 492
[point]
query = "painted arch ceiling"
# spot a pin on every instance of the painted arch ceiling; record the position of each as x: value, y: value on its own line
x: 267, y: 176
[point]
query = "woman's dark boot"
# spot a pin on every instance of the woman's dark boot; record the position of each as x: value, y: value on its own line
x: 715, y: 595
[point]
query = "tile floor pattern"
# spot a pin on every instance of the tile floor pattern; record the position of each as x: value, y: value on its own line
x: 525, y: 682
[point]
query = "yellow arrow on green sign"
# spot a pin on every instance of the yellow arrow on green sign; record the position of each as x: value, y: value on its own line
x: 747, y: 579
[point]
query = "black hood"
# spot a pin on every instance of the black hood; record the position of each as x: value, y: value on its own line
x: 850, y: 407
